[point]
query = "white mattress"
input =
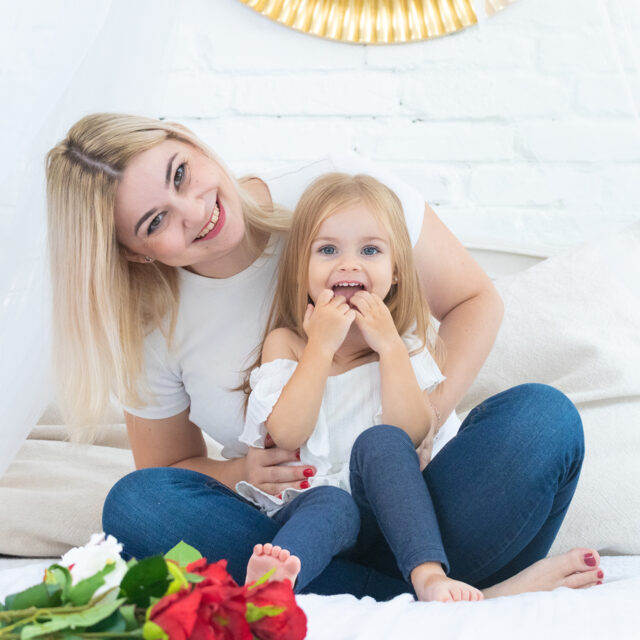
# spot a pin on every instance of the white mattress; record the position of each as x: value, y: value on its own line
x: 608, y: 611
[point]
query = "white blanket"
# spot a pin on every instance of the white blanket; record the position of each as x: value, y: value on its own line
x: 608, y: 611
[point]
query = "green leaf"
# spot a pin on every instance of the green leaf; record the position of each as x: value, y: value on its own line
x: 57, y: 574
x: 194, y: 578
x: 257, y: 613
x: 40, y: 595
x: 86, y: 618
x: 183, y: 554
x: 263, y: 579
x: 152, y: 631
x: 115, y: 623
x: 148, y: 578
x: 82, y: 592
x: 128, y: 612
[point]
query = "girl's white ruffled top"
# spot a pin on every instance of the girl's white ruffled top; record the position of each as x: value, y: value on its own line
x: 351, y: 404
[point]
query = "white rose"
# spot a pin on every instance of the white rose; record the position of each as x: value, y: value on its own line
x: 83, y: 562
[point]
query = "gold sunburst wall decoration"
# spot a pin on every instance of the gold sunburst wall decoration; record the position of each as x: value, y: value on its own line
x: 375, y: 21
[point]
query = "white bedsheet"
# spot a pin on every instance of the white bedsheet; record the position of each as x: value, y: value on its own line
x: 608, y: 611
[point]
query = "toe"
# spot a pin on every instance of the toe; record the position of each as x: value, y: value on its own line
x: 257, y: 550
x: 284, y: 554
x: 581, y: 579
x: 275, y: 552
x: 267, y: 548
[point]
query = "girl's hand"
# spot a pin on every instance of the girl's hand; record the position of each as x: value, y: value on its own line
x: 329, y: 321
x: 264, y: 469
x: 374, y: 320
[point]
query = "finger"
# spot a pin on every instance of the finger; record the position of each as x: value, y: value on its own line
x: 308, y: 313
x: 275, y: 456
x: 276, y: 488
x: 338, y: 300
x: 325, y: 297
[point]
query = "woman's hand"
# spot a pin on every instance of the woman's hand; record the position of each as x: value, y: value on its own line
x: 329, y: 321
x: 374, y: 320
x: 265, y: 469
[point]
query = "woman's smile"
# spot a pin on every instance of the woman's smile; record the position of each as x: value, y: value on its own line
x: 214, y: 224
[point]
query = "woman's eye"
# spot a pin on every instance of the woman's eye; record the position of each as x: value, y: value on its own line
x: 327, y: 251
x: 155, y: 223
x: 179, y: 175
x: 370, y: 251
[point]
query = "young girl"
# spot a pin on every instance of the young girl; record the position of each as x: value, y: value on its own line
x: 347, y: 348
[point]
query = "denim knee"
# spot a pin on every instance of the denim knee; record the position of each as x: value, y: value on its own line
x: 377, y: 441
x: 540, y: 412
x: 563, y: 425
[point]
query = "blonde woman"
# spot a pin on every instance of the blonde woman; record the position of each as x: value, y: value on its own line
x: 163, y: 269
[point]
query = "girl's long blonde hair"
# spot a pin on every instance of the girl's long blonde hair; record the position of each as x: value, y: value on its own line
x: 104, y: 304
x: 327, y: 195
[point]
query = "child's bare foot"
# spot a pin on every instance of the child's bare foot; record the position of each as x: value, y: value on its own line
x: 576, y: 569
x: 431, y: 584
x: 266, y: 557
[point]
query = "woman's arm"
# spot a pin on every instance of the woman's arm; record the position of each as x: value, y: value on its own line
x: 462, y: 297
x: 177, y: 442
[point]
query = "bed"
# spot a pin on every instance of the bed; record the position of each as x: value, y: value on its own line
x: 570, y: 321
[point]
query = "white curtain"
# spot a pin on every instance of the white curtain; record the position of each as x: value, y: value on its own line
x: 117, y: 65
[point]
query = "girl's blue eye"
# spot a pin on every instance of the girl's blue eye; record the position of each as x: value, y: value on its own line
x: 179, y: 175
x: 155, y: 223
x: 370, y: 251
x: 328, y: 250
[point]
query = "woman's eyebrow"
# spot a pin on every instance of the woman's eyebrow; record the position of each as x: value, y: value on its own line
x: 169, y: 169
x: 167, y: 178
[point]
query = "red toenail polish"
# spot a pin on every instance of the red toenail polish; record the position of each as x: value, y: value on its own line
x: 589, y: 560
x: 298, y: 455
x: 599, y: 582
x: 280, y: 496
x: 304, y: 484
x: 600, y: 574
x: 307, y: 473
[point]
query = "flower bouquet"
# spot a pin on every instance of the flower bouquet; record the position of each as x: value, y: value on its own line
x: 93, y: 593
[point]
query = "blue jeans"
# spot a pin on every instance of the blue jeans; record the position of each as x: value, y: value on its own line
x: 500, y: 490
x: 316, y: 526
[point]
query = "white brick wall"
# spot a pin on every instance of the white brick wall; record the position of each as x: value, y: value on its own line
x: 522, y: 131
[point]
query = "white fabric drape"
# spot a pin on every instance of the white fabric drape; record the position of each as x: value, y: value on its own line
x: 118, y: 66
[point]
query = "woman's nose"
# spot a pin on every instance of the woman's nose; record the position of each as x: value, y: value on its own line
x: 193, y: 213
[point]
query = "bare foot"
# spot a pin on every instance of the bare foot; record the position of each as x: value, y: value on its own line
x: 432, y: 585
x: 266, y: 557
x: 576, y: 569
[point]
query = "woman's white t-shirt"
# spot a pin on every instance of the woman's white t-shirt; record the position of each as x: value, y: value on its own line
x: 221, y: 321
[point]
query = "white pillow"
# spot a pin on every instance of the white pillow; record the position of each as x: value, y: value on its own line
x: 572, y: 322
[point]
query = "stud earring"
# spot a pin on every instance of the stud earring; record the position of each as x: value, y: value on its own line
x: 395, y: 280
x: 148, y: 259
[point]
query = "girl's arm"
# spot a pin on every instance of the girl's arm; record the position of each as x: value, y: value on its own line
x: 294, y: 416
x: 462, y: 297
x: 404, y: 404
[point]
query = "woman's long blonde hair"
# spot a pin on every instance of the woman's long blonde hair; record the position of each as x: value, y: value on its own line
x: 327, y: 195
x: 104, y: 304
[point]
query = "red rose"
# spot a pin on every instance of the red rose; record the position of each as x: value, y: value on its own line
x: 177, y: 613
x: 214, y: 609
x: 222, y: 612
x: 291, y: 624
